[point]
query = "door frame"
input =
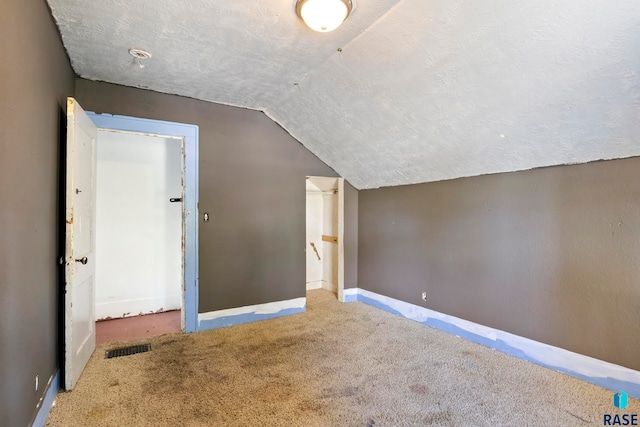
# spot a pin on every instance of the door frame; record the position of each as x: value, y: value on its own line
x: 339, y: 189
x: 189, y: 134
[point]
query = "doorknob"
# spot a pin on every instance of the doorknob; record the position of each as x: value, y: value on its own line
x: 83, y: 260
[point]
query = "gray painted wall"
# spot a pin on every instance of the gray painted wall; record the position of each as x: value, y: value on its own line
x: 549, y: 254
x: 36, y: 78
x: 252, y: 183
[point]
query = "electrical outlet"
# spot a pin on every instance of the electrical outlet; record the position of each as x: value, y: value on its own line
x: 37, y: 381
x: 424, y: 296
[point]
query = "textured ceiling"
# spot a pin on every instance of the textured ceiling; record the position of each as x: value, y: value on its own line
x: 406, y: 91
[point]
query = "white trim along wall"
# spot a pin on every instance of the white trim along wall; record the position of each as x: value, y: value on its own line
x: 595, y: 371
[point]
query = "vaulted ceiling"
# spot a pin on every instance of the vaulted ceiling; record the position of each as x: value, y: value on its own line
x: 405, y: 91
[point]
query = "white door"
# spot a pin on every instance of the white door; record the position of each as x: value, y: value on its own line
x: 79, y: 329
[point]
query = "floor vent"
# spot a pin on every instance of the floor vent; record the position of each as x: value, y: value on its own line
x: 127, y: 351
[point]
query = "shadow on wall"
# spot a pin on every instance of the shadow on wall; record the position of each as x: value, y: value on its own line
x: 61, y: 230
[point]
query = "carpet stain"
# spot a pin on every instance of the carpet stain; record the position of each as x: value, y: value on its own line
x: 439, y: 418
x: 217, y: 376
x: 311, y: 406
x: 348, y: 391
x: 274, y: 392
x: 97, y: 414
x: 418, y: 388
x: 170, y: 365
x: 331, y: 393
x: 202, y: 413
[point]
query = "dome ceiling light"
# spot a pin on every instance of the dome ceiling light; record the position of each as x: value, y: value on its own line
x: 324, y: 15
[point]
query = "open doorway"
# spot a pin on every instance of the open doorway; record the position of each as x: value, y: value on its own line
x: 189, y: 136
x: 325, y: 234
x: 139, y: 227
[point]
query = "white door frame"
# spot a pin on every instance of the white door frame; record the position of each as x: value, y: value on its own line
x: 189, y: 134
x: 341, y: 239
x: 339, y: 188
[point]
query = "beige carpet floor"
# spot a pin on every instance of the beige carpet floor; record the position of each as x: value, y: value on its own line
x: 335, y: 365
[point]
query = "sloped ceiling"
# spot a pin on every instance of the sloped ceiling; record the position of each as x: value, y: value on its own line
x: 405, y: 91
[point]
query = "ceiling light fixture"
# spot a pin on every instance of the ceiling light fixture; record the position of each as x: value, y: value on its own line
x: 139, y: 55
x: 324, y: 15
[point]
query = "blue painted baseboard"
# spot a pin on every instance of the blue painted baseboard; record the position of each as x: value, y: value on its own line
x: 598, y: 372
x: 47, y: 401
x: 253, y: 313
